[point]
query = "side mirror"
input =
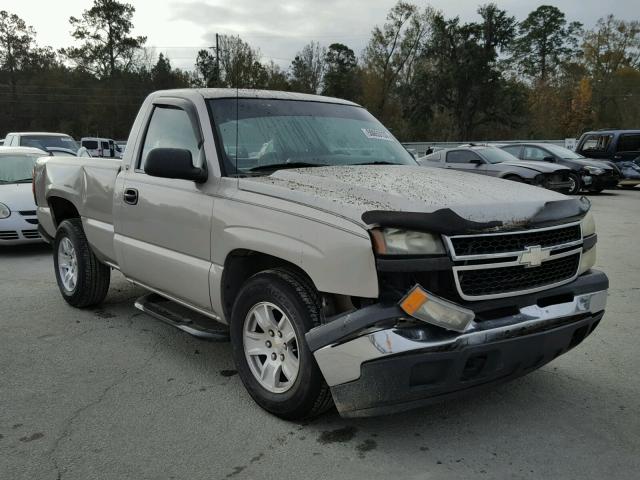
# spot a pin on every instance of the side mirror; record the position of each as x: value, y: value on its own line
x: 476, y: 162
x: 173, y: 163
x: 549, y: 159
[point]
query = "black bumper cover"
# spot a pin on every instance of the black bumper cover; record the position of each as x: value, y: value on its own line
x: 408, y: 381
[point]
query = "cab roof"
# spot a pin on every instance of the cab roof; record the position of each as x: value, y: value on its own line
x: 211, y: 93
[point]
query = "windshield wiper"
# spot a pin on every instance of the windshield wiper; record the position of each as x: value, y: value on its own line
x: 21, y: 180
x: 279, y: 166
x: 377, y: 163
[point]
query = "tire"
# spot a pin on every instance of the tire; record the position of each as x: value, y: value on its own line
x: 294, y: 296
x: 577, y: 184
x: 92, y: 276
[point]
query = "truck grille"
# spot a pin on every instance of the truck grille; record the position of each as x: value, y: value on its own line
x: 491, y: 281
x: 516, y: 242
x: 505, y: 264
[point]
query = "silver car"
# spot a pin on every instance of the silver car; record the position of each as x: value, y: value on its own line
x: 18, y: 221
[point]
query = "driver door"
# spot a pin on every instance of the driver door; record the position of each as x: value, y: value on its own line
x: 163, y: 225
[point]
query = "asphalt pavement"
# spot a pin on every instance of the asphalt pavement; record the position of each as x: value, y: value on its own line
x: 111, y: 393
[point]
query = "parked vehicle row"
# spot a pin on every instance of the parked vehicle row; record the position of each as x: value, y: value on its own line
x: 619, y: 146
x: 585, y: 174
x: 18, y: 220
x: 341, y: 270
x: 491, y: 161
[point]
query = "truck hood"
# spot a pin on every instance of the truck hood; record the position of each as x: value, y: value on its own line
x: 349, y: 191
x: 541, y: 167
x: 17, y: 196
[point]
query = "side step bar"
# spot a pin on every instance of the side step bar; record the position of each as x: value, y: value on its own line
x: 181, y: 317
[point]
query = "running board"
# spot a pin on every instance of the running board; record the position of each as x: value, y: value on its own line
x: 181, y: 317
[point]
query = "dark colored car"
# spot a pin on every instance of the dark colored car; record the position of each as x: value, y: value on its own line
x: 492, y: 161
x: 619, y: 146
x: 586, y: 174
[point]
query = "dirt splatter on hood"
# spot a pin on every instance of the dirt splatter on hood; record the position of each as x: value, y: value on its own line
x: 349, y: 191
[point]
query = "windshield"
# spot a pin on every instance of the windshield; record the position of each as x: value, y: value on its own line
x: 17, y: 168
x: 497, y: 155
x: 563, y: 152
x: 264, y: 135
x: 45, y: 141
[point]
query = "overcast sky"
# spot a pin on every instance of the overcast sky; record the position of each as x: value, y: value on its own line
x: 278, y: 28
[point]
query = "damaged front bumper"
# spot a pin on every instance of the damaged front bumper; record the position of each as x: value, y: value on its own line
x: 377, y: 360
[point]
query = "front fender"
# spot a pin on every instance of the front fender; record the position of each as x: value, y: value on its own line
x: 337, y: 259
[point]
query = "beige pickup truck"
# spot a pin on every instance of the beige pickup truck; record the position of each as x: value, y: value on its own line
x: 342, y: 271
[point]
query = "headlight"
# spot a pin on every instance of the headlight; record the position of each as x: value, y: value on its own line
x: 4, y: 211
x: 394, y: 241
x: 594, y: 170
x: 588, y: 225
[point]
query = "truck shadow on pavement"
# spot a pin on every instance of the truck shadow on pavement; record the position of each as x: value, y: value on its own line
x: 27, y: 250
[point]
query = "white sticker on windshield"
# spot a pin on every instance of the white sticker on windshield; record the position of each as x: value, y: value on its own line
x: 376, y: 134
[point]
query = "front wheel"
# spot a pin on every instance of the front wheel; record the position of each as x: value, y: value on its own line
x: 575, y: 184
x: 82, y: 279
x: 270, y: 317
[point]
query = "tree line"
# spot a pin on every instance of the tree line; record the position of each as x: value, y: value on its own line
x: 425, y: 76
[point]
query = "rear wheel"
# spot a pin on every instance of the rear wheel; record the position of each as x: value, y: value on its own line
x: 82, y: 279
x: 575, y: 184
x: 270, y: 316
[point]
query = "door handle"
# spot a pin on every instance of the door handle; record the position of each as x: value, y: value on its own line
x: 130, y: 196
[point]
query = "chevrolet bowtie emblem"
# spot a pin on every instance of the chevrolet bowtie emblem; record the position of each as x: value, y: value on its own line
x: 533, y: 256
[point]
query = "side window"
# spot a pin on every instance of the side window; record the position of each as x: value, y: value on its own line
x: 596, y: 143
x: 462, y: 156
x: 515, y: 150
x: 169, y: 127
x: 629, y: 142
x: 534, y: 153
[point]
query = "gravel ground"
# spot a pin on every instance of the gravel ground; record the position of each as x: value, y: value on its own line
x: 111, y: 393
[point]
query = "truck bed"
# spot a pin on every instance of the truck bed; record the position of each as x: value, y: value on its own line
x: 88, y: 183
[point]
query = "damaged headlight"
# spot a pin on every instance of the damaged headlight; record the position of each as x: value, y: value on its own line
x: 594, y: 170
x: 588, y: 259
x: 395, y: 241
x: 588, y: 225
x: 431, y: 309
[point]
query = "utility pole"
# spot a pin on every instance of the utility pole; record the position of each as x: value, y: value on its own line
x: 217, y: 57
x: 216, y: 70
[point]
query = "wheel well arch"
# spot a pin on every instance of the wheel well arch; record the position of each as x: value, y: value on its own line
x: 240, y: 265
x: 62, y: 209
x: 510, y: 175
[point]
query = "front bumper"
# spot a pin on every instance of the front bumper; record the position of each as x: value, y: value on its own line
x: 600, y: 182
x: 19, y: 228
x: 384, y: 368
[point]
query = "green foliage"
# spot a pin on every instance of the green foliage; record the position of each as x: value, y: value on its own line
x: 341, y: 75
x: 426, y: 76
x: 545, y: 42
x: 308, y: 68
x: 106, y: 44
